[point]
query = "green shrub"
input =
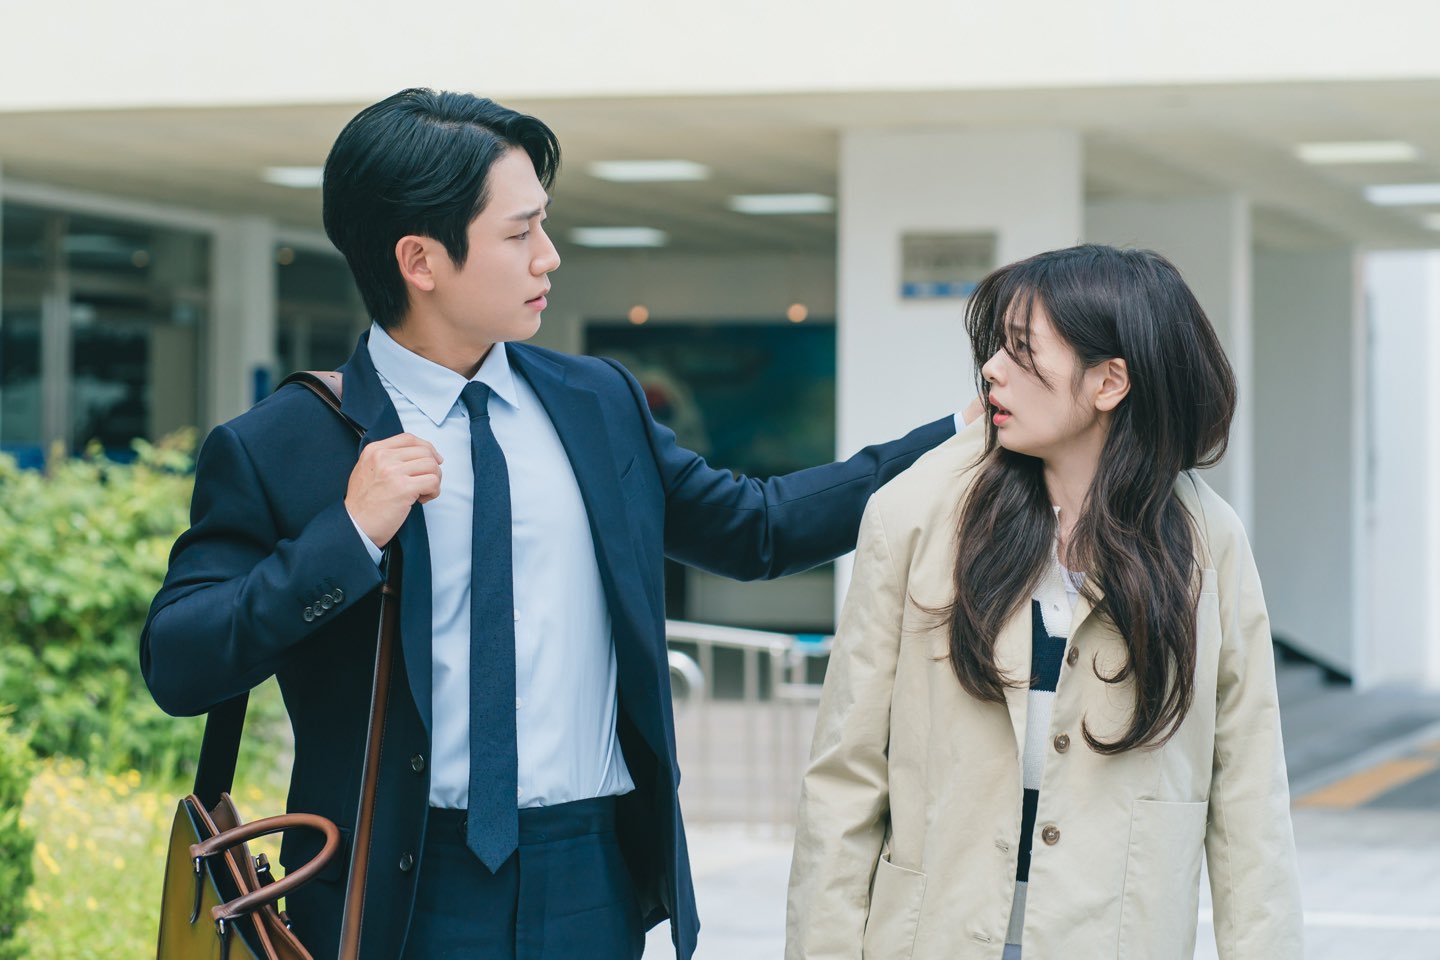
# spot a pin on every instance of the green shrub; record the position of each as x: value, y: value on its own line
x: 17, y: 843
x: 83, y: 549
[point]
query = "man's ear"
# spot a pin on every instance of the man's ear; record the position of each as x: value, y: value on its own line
x: 414, y: 256
x: 1114, y: 385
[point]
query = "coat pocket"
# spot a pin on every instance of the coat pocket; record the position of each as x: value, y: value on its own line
x: 895, y: 899
x: 1162, y: 880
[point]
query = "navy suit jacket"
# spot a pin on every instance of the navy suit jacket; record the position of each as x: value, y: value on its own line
x: 270, y: 538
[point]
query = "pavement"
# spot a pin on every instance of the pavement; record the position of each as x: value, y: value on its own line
x: 1365, y: 785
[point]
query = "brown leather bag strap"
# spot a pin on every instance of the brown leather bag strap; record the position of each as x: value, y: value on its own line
x: 225, y: 723
x: 328, y: 386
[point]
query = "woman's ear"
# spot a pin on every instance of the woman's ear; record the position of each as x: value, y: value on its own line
x: 412, y: 255
x: 1114, y: 384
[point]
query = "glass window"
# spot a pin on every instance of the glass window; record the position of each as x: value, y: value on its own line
x: 319, y: 314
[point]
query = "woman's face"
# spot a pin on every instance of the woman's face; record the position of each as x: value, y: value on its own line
x: 1041, y: 418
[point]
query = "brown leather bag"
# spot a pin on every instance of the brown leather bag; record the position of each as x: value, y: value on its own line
x: 218, y: 900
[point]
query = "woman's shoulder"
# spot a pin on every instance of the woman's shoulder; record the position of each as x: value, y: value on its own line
x: 931, y: 488
x: 1218, y: 523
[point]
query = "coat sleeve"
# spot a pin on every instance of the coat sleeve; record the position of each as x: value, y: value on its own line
x: 750, y: 529
x: 1249, y: 842
x: 845, y: 796
x: 234, y: 598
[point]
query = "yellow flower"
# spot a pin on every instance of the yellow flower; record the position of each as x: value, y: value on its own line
x: 118, y: 863
x: 91, y: 903
x: 42, y: 853
x: 72, y: 842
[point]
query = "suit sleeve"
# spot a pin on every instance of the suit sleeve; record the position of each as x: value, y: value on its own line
x: 1249, y: 841
x: 750, y: 529
x: 845, y: 796
x: 234, y: 599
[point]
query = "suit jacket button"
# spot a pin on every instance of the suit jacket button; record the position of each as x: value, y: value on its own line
x: 327, y: 601
x: 309, y: 614
x: 1051, y: 834
x: 338, y: 594
x: 407, y: 861
x: 417, y: 763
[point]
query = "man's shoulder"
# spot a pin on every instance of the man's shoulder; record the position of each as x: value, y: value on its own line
x: 595, y: 373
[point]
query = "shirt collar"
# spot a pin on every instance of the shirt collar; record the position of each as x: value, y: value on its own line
x: 432, y: 388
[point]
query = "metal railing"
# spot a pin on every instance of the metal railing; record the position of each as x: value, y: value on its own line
x: 742, y: 751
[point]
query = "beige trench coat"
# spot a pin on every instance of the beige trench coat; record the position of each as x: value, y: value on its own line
x: 910, y: 810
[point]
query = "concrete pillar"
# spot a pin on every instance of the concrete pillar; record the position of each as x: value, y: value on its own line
x: 1402, y: 550
x: 1208, y: 239
x: 1309, y: 403
x: 240, y: 341
x: 904, y: 362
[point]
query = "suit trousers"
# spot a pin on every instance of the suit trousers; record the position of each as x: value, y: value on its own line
x: 564, y: 894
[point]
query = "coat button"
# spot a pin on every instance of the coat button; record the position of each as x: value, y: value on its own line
x: 1051, y: 834
x: 338, y: 594
x: 309, y: 614
x: 406, y: 862
x: 417, y: 763
x: 1062, y: 743
x: 1072, y: 656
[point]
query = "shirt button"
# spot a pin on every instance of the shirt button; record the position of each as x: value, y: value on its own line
x: 1051, y: 834
x: 519, y: 703
x: 417, y: 763
x: 517, y: 616
x: 519, y: 792
x: 407, y: 861
x: 1062, y: 743
x: 1072, y: 656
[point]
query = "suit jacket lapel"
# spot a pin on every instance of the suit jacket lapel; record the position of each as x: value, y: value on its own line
x: 366, y: 402
x: 577, y: 417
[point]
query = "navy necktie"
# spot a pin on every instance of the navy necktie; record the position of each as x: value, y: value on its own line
x: 493, y: 824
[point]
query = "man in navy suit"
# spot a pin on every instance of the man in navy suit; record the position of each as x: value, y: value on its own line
x: 527, y: 800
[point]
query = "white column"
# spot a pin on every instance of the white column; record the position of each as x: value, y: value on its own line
x: 1208, y: 239
x: 1309, y: 403
x: 900, y: 362
x: 1402, y: 552
x: 242, y: 324
x: 904, y: 362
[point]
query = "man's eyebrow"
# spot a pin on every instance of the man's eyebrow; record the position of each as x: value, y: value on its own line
x: 531, y: 214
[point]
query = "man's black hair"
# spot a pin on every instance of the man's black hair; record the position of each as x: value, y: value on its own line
x: 417, y: 163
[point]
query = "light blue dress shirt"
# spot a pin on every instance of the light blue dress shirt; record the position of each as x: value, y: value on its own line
x: 565, y: 676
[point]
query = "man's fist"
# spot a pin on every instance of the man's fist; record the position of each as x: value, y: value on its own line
x: 392, y: 474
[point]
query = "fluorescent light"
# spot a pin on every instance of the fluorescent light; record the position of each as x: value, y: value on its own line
x: 649, y: 171
x: 1403, y: 194
x: 300, y: 178
x: 764, y: 204
x: 619, y: 237
x: 1358, y: 151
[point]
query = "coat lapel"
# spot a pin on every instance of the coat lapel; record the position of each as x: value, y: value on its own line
x: 1012, y: 656
x: 367, y: 404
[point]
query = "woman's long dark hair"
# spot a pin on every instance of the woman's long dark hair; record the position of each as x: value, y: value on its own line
x: 1133, y: 535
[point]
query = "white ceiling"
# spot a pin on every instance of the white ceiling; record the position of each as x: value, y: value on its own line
x: 1139, y: 142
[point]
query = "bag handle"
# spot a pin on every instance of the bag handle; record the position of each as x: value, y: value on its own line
x: 264, y: 828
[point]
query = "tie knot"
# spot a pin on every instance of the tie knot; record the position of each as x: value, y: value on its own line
x: 476, y: 397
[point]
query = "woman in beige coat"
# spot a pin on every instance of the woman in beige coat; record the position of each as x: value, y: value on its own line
x: 1052, y: 687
